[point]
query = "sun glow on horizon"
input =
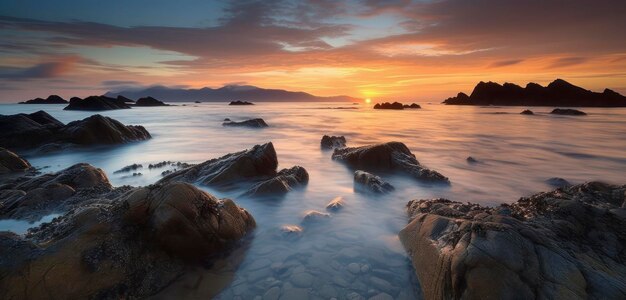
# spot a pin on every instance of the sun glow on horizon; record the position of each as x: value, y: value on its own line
x: 368, y: 100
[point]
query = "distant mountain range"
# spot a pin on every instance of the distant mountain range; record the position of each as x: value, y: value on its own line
x: 557, y: 93
x: 226, y: 93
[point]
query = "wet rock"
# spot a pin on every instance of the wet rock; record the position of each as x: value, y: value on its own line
x: 387, y: 105
x: 285, y: 181
x: 149, y: 101
x: 27, y: 131
x: 314, y: 217
x: 471, y: 160
x: 129, y: 168
x: 527, y: 112
x: 11, y: 162
x: 253, y: 123
x: 303, y: 280
x: 392, y: 156
x: 567, y: 112
x: 332, y: 142
x: 52, y: 99
x: 129, y: 248
x: 563, y: 244
x: 291, y: 231
x: 272, y: 294
x: 557, y: 182
x: 256, y: 166
x: 227, y: 120
x: 367, y: 182
x: 96, y: 103
x: 240, y: 103
x: 336, y: 204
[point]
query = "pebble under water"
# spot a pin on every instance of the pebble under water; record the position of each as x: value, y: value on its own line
x: 355, y: 253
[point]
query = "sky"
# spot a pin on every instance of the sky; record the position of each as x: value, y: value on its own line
x: 388, y: 50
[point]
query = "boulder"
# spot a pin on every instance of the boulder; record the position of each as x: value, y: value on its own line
x: 367, y: 182
x: 254, y: 168
x: 52, y: 99
x: 332, y: 142
x: 11, y: 162
x: 240, y: 103
x: 254, y: 123
x: 391, y: 156
x: 129, y: 248
x: 336, y: 204
x: 27, y: 131
x: 564, y: 244
x: 568, y: 112
x: 96, y: 103
x: 527, y: 112
x: 312, y: 217
x: 149, y: 101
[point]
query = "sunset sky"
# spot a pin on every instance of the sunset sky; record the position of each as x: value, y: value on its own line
x: 390, y: 50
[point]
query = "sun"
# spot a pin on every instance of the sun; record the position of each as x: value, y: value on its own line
x: 368, y: 100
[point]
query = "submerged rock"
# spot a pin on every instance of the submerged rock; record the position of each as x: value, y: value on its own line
x: 52, y: 99
x: 564, y: 244
x: 367, y: 182
x: 240, y: 103
x: 568, y: 112
x: 527, y: 112
x: 149, y: 101
x: 11, y: 162
x: 132, y: 247
x: 254, y: 123
x: 256, y: 166
x: 332, y: 142
x: 96, y: 103
x: 392, y: 156
x: 27, y: 131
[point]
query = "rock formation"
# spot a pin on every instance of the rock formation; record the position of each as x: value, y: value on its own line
x: 149, y: 101
x: 392, y: 156
x: 11, y: 162
x: 564, y: 244
x: 567, y: 112
x: 367, y: 182
x: 254, y: 123
x: 97, y: 103
x: 52, y: 99
x: 240, y: 103
x: 332, y: 142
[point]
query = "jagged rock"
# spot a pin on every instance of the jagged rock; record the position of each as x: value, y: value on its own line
x: 387, y: 105
x: 256, y: 166
x: 564, y: 244
x: 527, y: 112
x: 557, y: 93
x: 336, y: 204
x: 254, y: 123
x: 34, y: 197
x: 314, y: 217
x: 285, y: 181
x: 367, y: 182
x: 392, y: 156
x: 149, y: 101
x: 52, y: 99
x: 567, y: 112
x: 27, y: 131
x: 96, y: 103
x: 240, y: 103
x: 129, y: 168
x: 129, y: 248
x: 332, y: 142
x: 11, y: 162
x: 291, y: 231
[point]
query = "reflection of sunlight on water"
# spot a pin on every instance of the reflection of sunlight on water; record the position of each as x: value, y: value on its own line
x: 516, y: 153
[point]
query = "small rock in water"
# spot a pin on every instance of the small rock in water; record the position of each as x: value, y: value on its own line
x: 471, y: 160
x: 332, y: 142
x: 254, y: 123
x: 128, y: 168
x: 567, y: 112
x: 367, y: 182
x: 557, y: 182
x: 527, y: 112
x: 335, y: 204
x: 313, y: 217
x: 291, y: 231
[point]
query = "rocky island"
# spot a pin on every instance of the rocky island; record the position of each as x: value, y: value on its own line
x: 52, y: 99
x: 557, y: 93
x: 98, y: 103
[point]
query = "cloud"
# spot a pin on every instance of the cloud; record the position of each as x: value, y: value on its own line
x: 505, y: 63
x: 40, y: 71
x: 566, y: 62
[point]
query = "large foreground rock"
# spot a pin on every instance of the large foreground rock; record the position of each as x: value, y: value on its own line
x: 11, y: 162
x: 97, y: 103
x: 129, y: 247
x: 254, y: 169
x: 27, y: 131
x: 566, y: 244
x: 392, y: 156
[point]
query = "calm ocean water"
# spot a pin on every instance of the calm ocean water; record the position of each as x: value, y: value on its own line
x: 516, y: 154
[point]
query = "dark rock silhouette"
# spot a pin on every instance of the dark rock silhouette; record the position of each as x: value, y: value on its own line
x: 97, y: 103
x: 332, y: 142
x: 565, y: 244
x: 254, y: 123
x: 133, y: 246
x: 567, y: 112
x: 11, y: 162
x: 392, y: 156
x: 367, y: 182
x: 557, y: 182
x: 240, y: 103
x: 413, y: 105
x: 471, y: 160
x: 149, y: 101
x: 387, y: 105
x: 129, y: 168
x: 27, y: 131
x: 52, y: 99
x: 254, y: 168
x: 123, y: 99
x: 557, y: 93
x: 527, y: 112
